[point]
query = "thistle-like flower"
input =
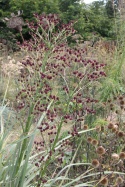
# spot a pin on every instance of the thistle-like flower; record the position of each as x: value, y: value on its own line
x: 95, y: 163
x: 94, y: 142
x: 104, y: 181
x: 89, y: 140
x: 100, y: 150
x: 122, y: 155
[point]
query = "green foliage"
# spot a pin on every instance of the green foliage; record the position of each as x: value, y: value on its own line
x: 49, y: 6
x: 70, y: 10
x: 100, y: 122
x: 110, y: 87
x: 28, y: 6
x: 98, y: 20
x: 9, y: 37
x: 109, y: 9
x: 96, y: 17
x: 4, y: 6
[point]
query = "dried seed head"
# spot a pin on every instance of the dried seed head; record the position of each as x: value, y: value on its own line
x: 85, y: 127
x: 109, y: 101
x: 95, y: 163
x: 94, y: 142
x: 89, y: 140
x: 100, y: 150
x: 104, y: 181
x: 115, y: 98
x: 122, y: 102
x: 111, y: 105
x: 120, y: 134
x: 119, y: 180
x: 120, y: 98
x: 115, y: 156
x: 110, y: 126
x: 117, y: 112
x: 122, y: 107
x: 122, y: 155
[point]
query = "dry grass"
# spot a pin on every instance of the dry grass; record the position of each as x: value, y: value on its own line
x: 11, y: 68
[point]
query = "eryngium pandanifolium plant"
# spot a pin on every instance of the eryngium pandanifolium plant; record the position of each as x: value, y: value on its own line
x: 58, y: 87
x: 57, y: 74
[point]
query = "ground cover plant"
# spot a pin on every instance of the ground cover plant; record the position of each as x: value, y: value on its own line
x: 58, y: 87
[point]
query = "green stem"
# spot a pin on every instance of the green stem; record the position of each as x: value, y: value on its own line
x: 43, y: 170
x: 25, y: 141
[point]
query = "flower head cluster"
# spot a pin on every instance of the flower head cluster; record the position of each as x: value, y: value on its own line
x: 54, y: 84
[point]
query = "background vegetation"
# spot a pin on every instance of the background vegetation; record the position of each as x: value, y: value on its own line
x: 97, y: 17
